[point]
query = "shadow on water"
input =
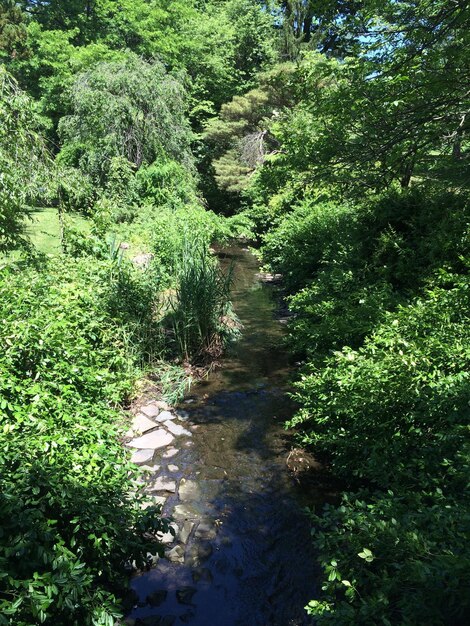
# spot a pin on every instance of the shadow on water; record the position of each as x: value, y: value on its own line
x: 248, y: 559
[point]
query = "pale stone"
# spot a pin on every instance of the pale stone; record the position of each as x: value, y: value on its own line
x: 186, y: 531
x: 162, y: 405
x: 140, y: 457
x: 185, y: 511
x: 142, y: 424
x: 150, y: 410
x: 173, y: 468
x: 169, y: 453
x: 159, y: 500
x: 205, y: 530
x: 153, y: 501
x: 175, y: 555
x: 156, y: 439
x: 164, y: 416
x: 189, y: 490
x: 163, y: 484
x: 176, y: 429
x: 150, y: 469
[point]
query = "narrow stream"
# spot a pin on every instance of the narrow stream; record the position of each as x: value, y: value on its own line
x: 248, y: 559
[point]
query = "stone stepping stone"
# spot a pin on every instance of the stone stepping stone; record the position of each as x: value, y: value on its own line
x: 176, y: 429
x: 169, y: 537
x: 205, y: 530
x: 150, y: 410
x: 156, y: 439
x: 150, y: 469
x: 141, y: 457
x: 162, y: 405
x: 189, y: 490
x: 169, y: 453
x: 142, y: 424
x: 164, y: 416
x: 173, y: 468
x: 163, y: 484
x: 176, y: 554
x: 185, y: 511
x: 186, y: 531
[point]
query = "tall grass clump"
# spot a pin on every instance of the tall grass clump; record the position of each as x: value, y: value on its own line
x: 200, y: 308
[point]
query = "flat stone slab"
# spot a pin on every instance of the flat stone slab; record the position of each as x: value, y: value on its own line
x: 175, y: 555
x: 206, y: 530
x: 150, y: 469
x: 161, y: 404
x: 173, y: 468
x: 143, y: 456
x: 169, y: 453
x: 185, y: 511
x: 142, y: 424
x: 150, y: 410
x: 176, y: 429
x: 156, y: 439
x: 186, y: 531
x: 164, y: 416
x: 163, y: 484
x: 189, y: 490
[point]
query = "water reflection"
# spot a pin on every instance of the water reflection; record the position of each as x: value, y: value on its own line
x: 248, y: 560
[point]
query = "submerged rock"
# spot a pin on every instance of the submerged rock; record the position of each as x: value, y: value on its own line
x: 186, y: 531
x: 176, y: 429
x: 202, y: 574
x: 185, y: 595
x: 189, y: 490
x: 157, y: 597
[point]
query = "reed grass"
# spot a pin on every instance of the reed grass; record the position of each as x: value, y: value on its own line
x: 200, y: 303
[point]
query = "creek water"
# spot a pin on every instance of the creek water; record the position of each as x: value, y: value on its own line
x: 248, y: 560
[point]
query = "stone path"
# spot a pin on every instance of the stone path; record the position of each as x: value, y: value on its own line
x: 157, y: 434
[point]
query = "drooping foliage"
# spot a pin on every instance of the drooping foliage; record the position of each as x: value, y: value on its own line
x: 23, y: 157
x: 129, y: 109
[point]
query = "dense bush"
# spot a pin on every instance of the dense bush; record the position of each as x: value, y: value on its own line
x: 69, y: 517
x: 394, y: 415
x: 346, y: 264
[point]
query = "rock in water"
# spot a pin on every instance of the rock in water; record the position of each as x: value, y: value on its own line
x: 157, y: 439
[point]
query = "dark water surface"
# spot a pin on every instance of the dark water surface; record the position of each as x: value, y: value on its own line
x: 248, y: 560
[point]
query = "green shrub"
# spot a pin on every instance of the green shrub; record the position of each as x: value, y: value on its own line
x: 346, y: 265
x: 69, y: 517
x: 394, y: 415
